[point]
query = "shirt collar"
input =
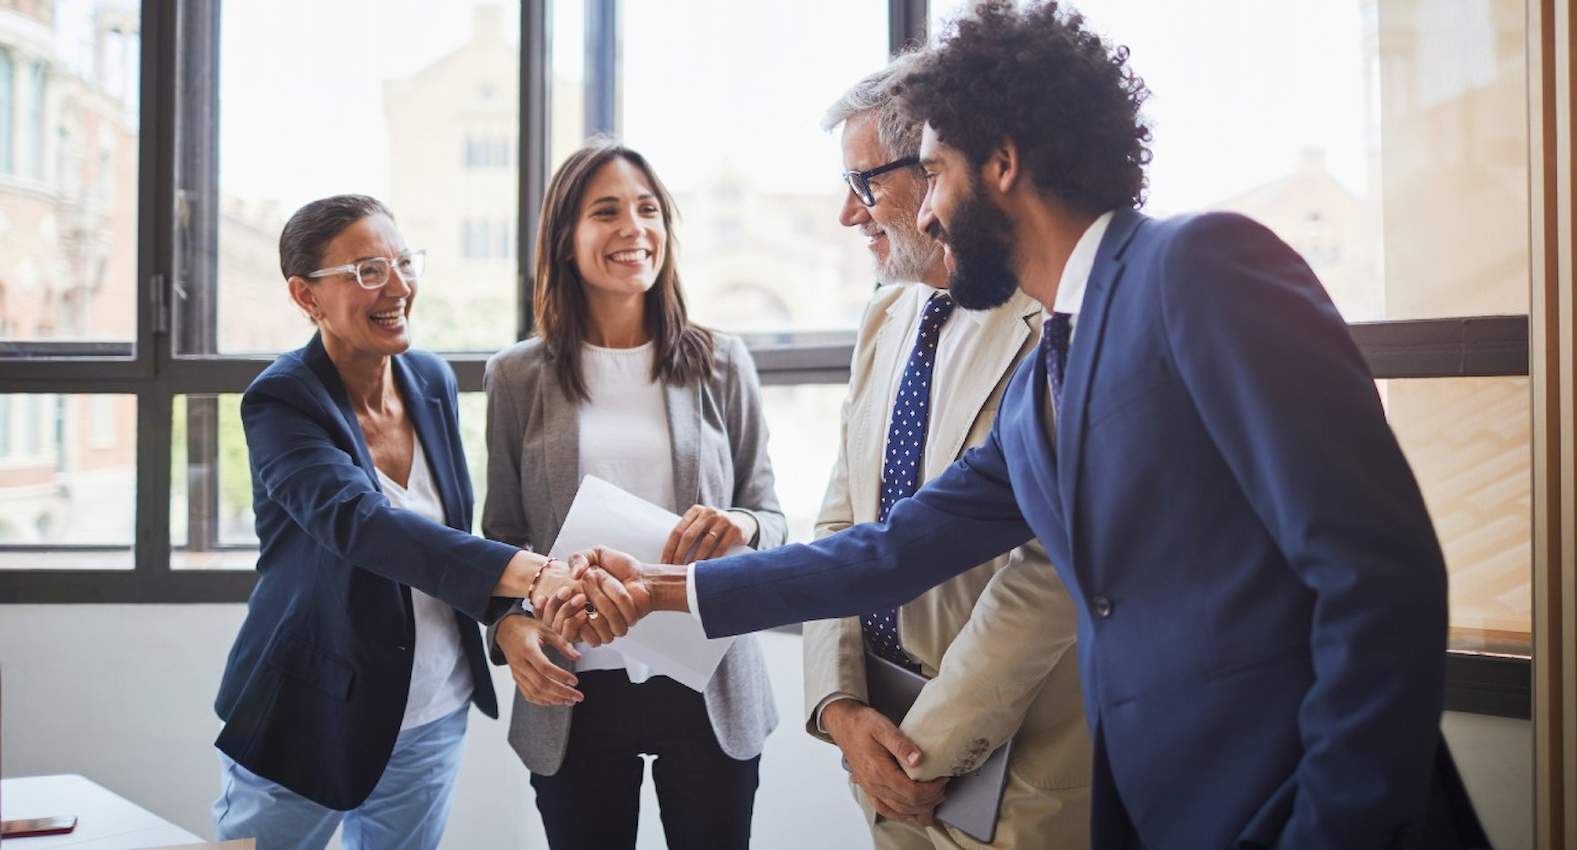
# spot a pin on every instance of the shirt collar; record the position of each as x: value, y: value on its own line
x: 924, y: 291
x: 1076, y: 274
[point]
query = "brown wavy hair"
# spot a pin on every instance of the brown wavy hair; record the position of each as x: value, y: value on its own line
x: 684, y: 351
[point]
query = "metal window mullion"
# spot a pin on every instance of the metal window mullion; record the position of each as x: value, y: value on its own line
x: 906, y: 24
x: 536, y: 63
x: 602, y: 69
x: 151, y: 547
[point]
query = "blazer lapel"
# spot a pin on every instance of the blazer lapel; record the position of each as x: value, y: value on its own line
x: 1071, y: 419
x: 996, y: 345
x: 317, y: 359
x: 870, y: 416
x: 560, y: 462
x: 426, y: 412
x: 683, y: 403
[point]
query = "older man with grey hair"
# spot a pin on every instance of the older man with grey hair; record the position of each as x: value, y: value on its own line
x: 997, y: 641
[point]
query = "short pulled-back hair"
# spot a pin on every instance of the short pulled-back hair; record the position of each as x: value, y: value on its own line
x: 310, y: 230
x: 1039, y: 77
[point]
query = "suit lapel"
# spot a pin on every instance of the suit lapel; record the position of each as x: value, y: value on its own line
x: 994, y: 346
x: 683, y: 404
x: 426, y: 412
x: 1087, y: 337
x: 317, y: 358
x: 866, y: 455
x: 559, y: 465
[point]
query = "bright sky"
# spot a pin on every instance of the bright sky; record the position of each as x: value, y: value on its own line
x: 1240, y: 86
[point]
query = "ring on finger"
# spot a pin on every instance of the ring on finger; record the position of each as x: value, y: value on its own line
x: 591, y: 612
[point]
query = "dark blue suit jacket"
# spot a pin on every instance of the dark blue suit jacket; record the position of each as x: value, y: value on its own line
x: 314, y: 690
x: 1263, y: 600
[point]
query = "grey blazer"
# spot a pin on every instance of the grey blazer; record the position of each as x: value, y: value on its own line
x: 719, y: 436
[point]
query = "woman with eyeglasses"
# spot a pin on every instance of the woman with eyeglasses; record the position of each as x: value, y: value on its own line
x: 345, y: 696
x: 618, y: 383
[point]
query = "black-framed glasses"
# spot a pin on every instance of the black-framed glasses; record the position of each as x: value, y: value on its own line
x: 860, y: 181
x: 373, y: 272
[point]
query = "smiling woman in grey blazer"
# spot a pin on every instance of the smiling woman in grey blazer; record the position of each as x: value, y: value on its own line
x: 619, y: 384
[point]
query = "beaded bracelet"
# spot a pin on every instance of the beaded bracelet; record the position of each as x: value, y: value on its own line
x: 532, y: 588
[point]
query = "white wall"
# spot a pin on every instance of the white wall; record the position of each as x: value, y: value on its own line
x: 123, y: 694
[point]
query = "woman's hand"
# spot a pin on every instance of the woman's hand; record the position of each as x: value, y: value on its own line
x: 705, y: 532
x: 522, y: 639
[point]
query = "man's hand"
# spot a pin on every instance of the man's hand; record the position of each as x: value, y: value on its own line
x: 875, y: 750
x: 521, y: 639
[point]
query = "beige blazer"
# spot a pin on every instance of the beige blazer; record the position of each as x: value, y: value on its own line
x: 719, y: 435
x: 998, y: 639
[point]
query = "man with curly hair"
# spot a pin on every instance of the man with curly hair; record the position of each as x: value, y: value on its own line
x: 1199, y: 446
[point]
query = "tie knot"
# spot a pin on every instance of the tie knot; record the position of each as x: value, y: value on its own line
x: 937, y: 309
x: 1057, y: 331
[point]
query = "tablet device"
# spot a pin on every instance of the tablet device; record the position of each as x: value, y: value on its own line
x: 973, y: 799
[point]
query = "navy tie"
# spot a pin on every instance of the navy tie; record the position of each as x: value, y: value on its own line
x: 1054, y: 347
x: 903, y: 464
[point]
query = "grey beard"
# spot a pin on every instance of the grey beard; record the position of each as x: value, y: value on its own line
x: 909, y: 258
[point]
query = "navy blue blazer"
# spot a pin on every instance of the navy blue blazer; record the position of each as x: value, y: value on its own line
x: 314, y: 690
x: 1262, y: 619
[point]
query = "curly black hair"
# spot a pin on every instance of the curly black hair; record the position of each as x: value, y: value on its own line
x: 1039, y: 77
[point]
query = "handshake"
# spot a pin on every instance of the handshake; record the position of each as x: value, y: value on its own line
x: 597, y: 596
x: 594, y: 598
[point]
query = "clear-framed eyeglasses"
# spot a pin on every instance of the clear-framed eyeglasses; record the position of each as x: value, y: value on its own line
x: 373, y: 272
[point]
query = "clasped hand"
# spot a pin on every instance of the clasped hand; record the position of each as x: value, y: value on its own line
x: 592, y: 599
x: 596, y: 597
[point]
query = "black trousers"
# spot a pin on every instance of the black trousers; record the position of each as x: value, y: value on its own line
x: 594, y: 801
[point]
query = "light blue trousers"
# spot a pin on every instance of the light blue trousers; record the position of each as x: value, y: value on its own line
x: 407, y: 809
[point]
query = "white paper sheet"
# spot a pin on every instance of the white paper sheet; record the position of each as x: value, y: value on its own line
x: 671, y: 643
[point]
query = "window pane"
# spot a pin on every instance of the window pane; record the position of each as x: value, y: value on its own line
x: 759, y: 199
x: 211, y: 521
x: 1468, y: 441
x: 567, y: 124
x: 67, y: 481
x: 427, y: 123
x: 68, y: 176
x: 804, y: 420
x: 1386, y: 140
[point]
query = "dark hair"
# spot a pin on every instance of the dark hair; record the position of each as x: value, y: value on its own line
x: 684, y: 351
x: 310, y: 230
x: 1039, y: 77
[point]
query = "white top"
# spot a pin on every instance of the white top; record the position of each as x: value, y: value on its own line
x: 624, y: 439
x: 440, y: 679
x: 947, y: 370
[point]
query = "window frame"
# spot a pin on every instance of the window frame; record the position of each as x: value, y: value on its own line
x: 179, y: 45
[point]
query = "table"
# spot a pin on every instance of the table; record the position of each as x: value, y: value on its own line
x: 105, y: 821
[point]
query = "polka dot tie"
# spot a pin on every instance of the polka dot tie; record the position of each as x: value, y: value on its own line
x: 1054, y: 347
x: 902, y: 466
